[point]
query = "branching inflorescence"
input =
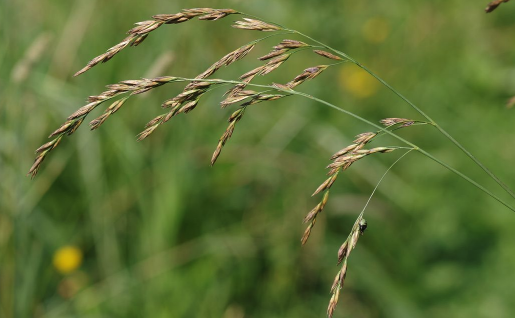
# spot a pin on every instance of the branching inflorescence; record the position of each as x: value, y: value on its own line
x: 246, y: 93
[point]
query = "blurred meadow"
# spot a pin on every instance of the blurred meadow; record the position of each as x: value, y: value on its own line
x: 112, y: 227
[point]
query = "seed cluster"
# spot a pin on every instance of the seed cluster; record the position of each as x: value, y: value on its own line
x: 328, y: 55
x: 142, y: 29
x: 253, y: 24
x: 189, y: 98
x: 73, y: 121
x: 343, y: 253
x: 342, y: 160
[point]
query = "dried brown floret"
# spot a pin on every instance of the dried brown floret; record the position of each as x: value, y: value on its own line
x: 257, y: 25
x: 394, y: 121
x: 328, y: 55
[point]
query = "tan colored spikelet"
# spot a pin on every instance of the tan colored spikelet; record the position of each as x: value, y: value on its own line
x: 114, y: 107
x: 74, y: 126
x: 274, y: 63
x: 394, y: 121
x: 339, y: 279
x: 236, y: 114
x: 154, y: 121
x: 290, y: 44
x: 171, y: 18
x: 235, y: 117
x: 344, y: 151
x: 95, y: 123
x: 46, y: 146
x: 379, y: 149
x: 268, y: 97
x: 210, y: 71
x: 283, y: 47
x: 313, y: 213
x: 189, y: 106
x: 139, y: 33
x: 332, y: 303
x: 64, y: 128
x: 252, y: 73
x: 312, y: 217
x: 217, y: 14
x: 237, y: 97
x: 336, y: 282
x: 121, y: 87
x: 328, y: 55
x: 234, y: 56
x: 228, y: 59
x: 257, y: 25
x: 33, y: 171
x: 365, y: 137
x: 307, y: 74
x: 83, y: 110
x: 306, y: 234
x: 139, y: 39
x: 181, y: 98
x: 108, y: 55
x: 327, y: 184
x: 311, y: 73
x: 221, y: 143
x: 273, y: 54
x: 145, y: 27
x: 103, y: 96
x: 343, y: 274
x: 342, y: 252
x: 145, y: 133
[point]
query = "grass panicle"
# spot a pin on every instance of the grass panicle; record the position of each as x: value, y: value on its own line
x: 142, y: 29
x: 343, y: 254
x: 245, y: 93
x: 328, y: 55
x: 342, y: 160
x: 256, y: 25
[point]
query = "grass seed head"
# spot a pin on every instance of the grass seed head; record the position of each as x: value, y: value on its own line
x: 342, y: 252
x: 306, y: 234
x: 394, y: 121
x: 328, y: 55
x: 327, y: 184
x: 257, y: 25
x: 364, y: 138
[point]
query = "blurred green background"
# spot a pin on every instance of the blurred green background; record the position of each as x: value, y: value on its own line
x: 116, y: 228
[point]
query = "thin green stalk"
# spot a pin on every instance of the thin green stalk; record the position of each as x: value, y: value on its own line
x: 293, y: 92
x: 380, y: 180
x: 409, y: 143
x: 443, y: 131
x: 440, y: 129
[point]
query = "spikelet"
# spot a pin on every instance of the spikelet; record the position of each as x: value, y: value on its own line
x: 142, y: 29
x: 257, y: 25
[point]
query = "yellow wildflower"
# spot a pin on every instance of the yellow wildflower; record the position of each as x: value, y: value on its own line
x: 67, y: 259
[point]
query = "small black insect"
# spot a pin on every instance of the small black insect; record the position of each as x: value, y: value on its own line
x: 362, y: 226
